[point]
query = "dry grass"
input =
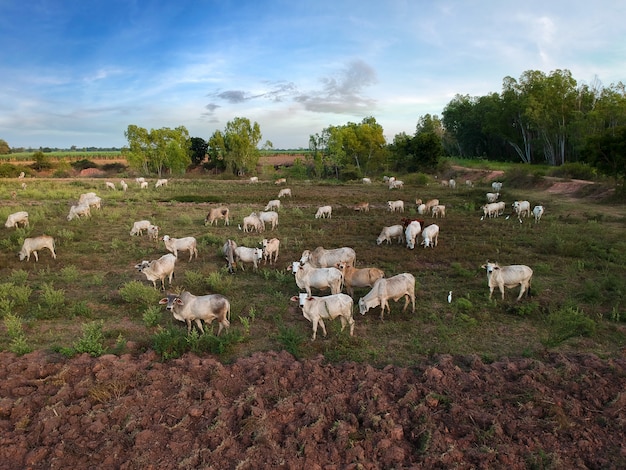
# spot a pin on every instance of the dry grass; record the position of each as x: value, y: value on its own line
x: 577, y: 252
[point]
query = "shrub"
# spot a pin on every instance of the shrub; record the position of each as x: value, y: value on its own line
x: 92, y: 341
x: 53, y: 300
x: 291, y: 339
x: 152, y: 315
x: 568, y: 322
x: 81, y: 309
x: 134, y: 292
x: 18, y: 345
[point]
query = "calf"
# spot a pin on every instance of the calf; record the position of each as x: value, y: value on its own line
x: 359, y: 277
x: 174, y: 245
x: 280, y: 181
x: 430, y: 204
x: 16, y: 219
x: 189, y: 308
x: 110, y: 185
x: 159, y: 269
x: 324, y: 212
x: 323, y: 258
x: 366, y: 181
x: 248, y: 255
x: 153, y: 232
x: 396, y: 287
x: 538, y: 212
x: 387, y: 233
x: 270, y: 249
x: 395, y: 184
x: 316, y: 309
x: 33, y: 245
x: 160, y: 182
x: 362, y: 207
x: 396, y: 206
x: 492, y: 197
x: 439, y: 211
x: 509, y: 277
x: 254, y: 179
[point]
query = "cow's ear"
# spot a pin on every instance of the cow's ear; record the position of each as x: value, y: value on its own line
x: 179, y: 301
x: 496, y: 267
x: 162, y: 301
x: 484, y: 266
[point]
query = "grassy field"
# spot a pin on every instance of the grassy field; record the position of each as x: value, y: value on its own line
x: 577, y: 252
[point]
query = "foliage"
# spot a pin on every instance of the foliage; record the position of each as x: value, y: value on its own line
x: 152, y: 315
x: 42, y: 162
x: 157, y: 150
x: 291, y: 340
x: 91, y: 342
x: 197, y: 150
x: 18, y: 345
x: 568, y: 322
x: 139, y: 294
x: 51, y: 300
x: 237, y: 146
x: 607, y: 151
x: 4, y: 147
x: 173, y: 342
x: 83, y: 164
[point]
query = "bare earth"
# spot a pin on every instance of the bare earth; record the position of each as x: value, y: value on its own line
x: 272, y: 411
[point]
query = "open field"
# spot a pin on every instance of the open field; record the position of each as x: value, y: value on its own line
x: 577, y: 252
x: 535, y: 384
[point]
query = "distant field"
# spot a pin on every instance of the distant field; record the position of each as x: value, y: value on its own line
x: 577, y: 252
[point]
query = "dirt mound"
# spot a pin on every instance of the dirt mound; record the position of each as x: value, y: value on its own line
x: 269, y: 409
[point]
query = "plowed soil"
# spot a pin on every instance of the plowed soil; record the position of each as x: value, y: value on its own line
x: 270, y: 410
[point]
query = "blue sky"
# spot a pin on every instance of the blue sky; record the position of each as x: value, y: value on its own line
x: 78, y: 72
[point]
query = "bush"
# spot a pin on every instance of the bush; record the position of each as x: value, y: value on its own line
x: 576, y: 170
x: 566, y: 323
x: 152, y: 316
x: 18, y: 345
x: 134, y: 292
x: 92, y: 341
x: 83, y: 164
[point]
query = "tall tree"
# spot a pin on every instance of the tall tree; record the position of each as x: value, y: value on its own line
x: 157, y: 150
x: 4, y: 147
x: 237, y: 145
x: 198, y: 150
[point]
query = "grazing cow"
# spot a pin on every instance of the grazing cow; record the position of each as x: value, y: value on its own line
x: 140, y: 179
x: 174, y: 245
x: 153, y: 232
x: 248, y: 255
x: 22, y: 175
x: 430, y: 236
x: 254, y: 179
x: 492, y: 197
x: 33, y: 245
x: 522, y: 209
x: 281, y: 181
x: 139, y: 227
x: 93, y: 201
x: 189, y: 308
x: 396, y: 287
x: 229, y: 253
x: 316, y: 309
x: 308, y: 277
x: 444, y: 183
x: 82, y: 210
x: 322, y: 258
x: 16, y: 219
x: 395, y: 184
x: 496, y: 186
x: 324, y: 212
x: 160, y: 182
x: 110, y: 185
x: 396, y: 206
x: 509, y: 277
x: 359, y: 277
x: 452, y: 184
x: 284, y: 192
x: 421, y: 209
x: 158, y: 269
x: 362, y: 207
x: 270, y: 249
x: 494, y: 209
x: 215, y: 214
x: 393, y: 231
x: 124, y: 185
x: 83, y: 198
x: 538, y: 212
x: 469, y: 183
x: 269, y: 217
x: 253, y: 222
x: 430, y: 204
x: 366, y: 181
x: 411, y: 233
x: 273, y: 205
x: 439, y: 211
x: 143, y: 185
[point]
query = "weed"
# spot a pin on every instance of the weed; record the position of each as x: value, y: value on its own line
x: 52, y: 300
x: 291, y: 339
x: 134, y: 292
x: 152, y: 316
x: 568, y: 322
x: 92, y: 341
x: 81, y: 309
x: 194, y: 281
x: 18, y: 277
x: 18, y: 345
x: 70, y: 273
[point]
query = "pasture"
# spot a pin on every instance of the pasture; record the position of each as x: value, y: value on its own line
x: 577, y: 252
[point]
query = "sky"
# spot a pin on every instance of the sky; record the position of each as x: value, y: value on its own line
x: 78, y: 73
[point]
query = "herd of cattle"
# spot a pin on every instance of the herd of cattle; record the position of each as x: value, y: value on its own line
x: 320, y: 269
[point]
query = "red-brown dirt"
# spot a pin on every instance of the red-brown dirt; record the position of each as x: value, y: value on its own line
x: 270, y: 410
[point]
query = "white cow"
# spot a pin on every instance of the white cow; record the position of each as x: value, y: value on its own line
x: 430, y: 204
x: 124, y: 185
x: 33, y: 245
x: 396, y: 206
x: 139, y: 227
x: 189, y: 308
x: 439, y: 211
x: 254, y: 179
x: 359, y: 277
x: 280, y: 181
x: 273, y: 205
x: 217, y: 213
x: 393, y: 231
x: 411, y: 233
x: 248, y: 255
x: 269, y: 217
x: 496, y: 186
x: 153, y: 232
x: 158, y: 269
x: 253, y: 222
x: 522, y: 209
x: 160, y: 182
x: 229, y: 253
x: 143, y: 185
x: 430, y: 236
x: 82, y: 210
x: 492, y: 197
x: 494, y: 209
x: 538, y: 212
x: 308, y: 277
x: 395, y: 184
x: 322, y: 258
x: 93, y: 201
x: 316, y: 309
x: 421, y: 209
x: 270, y: 249
x: 110, y: 185
x: 509, y: 277
x: 83, y: 198
x: 396, y: 287
x: 284, y: 192
x: 16, y: 219
x: 324, y: 212
x: 452, y: 184
x: 174, y: 245
x: 366, y: 181
x: 140, y: 179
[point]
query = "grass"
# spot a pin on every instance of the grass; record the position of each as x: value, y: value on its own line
x: 577, y: 252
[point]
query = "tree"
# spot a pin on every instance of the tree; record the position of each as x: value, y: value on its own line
x: 4, y: 147
x: 198, y: 150
x: 422, y: 151
x: 607, y: 152
x: 216, y: 149
x: 237, y: 146
x: 157, y: 150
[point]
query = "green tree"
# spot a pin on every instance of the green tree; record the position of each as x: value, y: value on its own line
x: 4, y: 147
x: 607, y: 152
x: 198, y: 150
x: 157, y: 150
x: 216, y: 149
x: 241, y: 140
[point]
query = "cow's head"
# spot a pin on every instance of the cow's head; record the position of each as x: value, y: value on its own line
x: 170, y: 301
